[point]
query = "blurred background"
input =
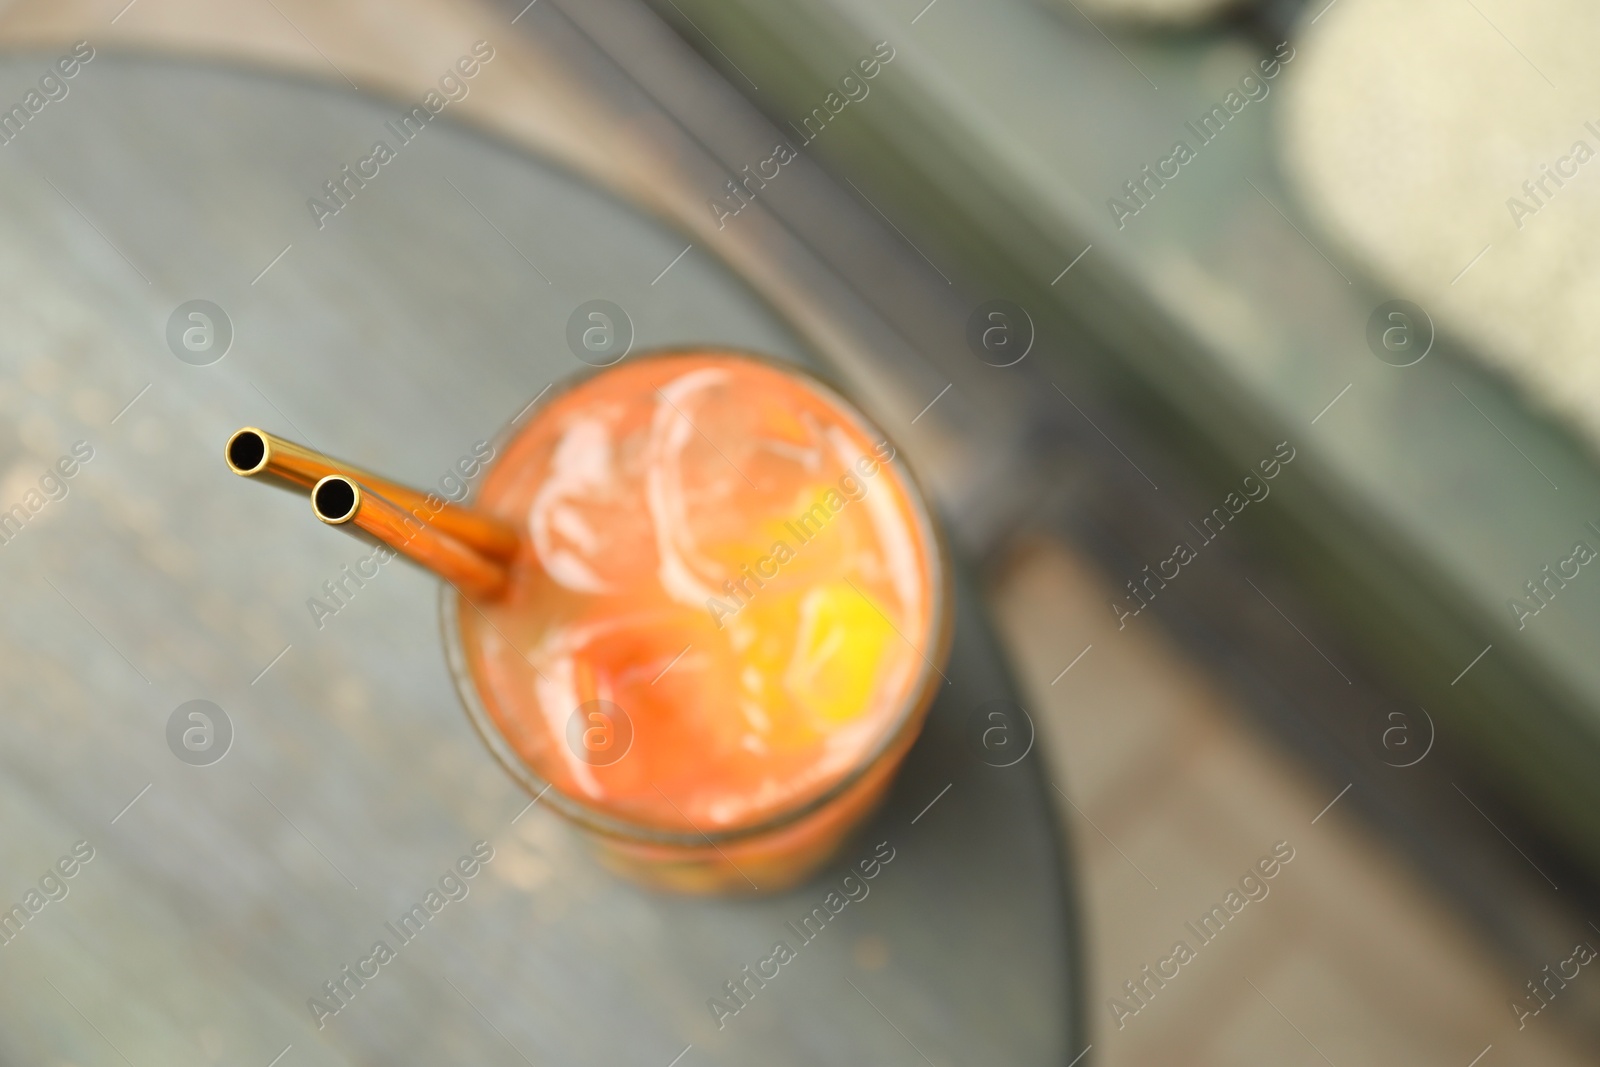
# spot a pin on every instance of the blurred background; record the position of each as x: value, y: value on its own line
x: 1099, y: 265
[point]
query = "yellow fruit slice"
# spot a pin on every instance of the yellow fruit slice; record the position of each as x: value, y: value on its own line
x: 837, y: 652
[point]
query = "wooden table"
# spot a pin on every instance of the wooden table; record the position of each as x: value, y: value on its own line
x: 220, y: 898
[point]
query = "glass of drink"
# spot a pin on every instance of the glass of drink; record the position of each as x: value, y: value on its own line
x: 718, y: 626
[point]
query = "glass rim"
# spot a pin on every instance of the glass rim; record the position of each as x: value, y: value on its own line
x: 908, y: 716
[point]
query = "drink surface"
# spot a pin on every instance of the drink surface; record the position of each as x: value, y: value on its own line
x: 725, y: 598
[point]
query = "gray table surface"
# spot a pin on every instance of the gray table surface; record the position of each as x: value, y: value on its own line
x: 417, y: 321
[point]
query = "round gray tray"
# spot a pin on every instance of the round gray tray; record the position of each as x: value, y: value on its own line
x: 220, y: 898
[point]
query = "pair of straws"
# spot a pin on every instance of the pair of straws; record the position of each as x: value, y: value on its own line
x: 470, y: 550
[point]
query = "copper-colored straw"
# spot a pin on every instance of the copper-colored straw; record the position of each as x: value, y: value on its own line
x: 252, y: 452
x: 337, y: 500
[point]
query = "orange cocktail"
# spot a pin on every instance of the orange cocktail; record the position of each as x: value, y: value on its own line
x: 724, y: 626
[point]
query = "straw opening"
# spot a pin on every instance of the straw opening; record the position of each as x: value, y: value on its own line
x: 247, y: 452
x: 334, y: 499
